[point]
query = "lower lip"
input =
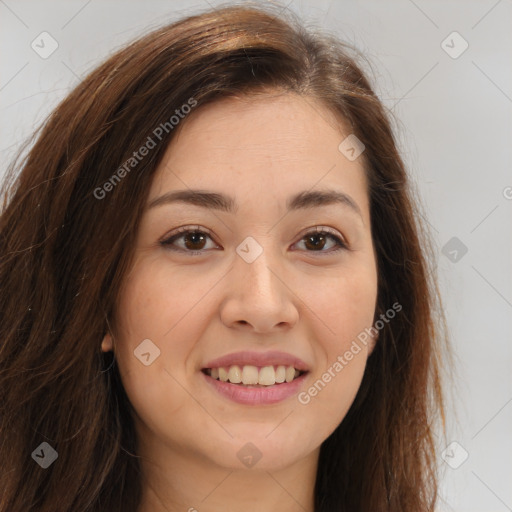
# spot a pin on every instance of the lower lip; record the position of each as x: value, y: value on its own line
x: 256, y: 396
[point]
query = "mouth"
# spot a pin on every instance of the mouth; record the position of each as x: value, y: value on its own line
x: 250, y: 376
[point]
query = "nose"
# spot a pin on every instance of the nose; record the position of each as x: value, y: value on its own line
x: 259, y: 296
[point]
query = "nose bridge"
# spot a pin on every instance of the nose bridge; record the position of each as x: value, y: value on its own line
x: 258, y: 266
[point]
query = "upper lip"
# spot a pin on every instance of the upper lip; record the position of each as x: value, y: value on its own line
x: 258, y: 359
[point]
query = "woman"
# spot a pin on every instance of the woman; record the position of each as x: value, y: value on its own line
x: 214, y: 287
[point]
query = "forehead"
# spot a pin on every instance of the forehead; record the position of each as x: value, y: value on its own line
x: 272, y: 144
x: 281, y: 125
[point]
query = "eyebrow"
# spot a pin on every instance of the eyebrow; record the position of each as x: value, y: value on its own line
x: 217, y: 201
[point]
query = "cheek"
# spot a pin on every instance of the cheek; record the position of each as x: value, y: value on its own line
x: 344, y: 304
x: 345, y: 309
x: 154, y: 302
x: 347, y: 312
x: 155, y: 307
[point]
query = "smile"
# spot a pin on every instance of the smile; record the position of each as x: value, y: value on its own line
x: 251, y: 389
x: 254, y: 376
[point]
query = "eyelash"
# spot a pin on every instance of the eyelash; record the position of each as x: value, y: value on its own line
x: 167, y: 243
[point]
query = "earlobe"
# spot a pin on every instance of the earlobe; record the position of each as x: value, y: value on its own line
x: 107, y: 344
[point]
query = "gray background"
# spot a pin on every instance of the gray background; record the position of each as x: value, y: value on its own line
x: 454, y: 125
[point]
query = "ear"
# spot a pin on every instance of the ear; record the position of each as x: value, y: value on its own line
x: 107, y: 345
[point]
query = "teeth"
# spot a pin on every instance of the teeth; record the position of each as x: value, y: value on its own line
x: 280, y: 374
x: 250, y: 375
x: 290, y: 373
x: 267, y: 376
x: 235, y: 374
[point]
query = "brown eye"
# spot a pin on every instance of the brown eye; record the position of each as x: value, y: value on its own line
x: 316, y: 241
x: 194, y: 240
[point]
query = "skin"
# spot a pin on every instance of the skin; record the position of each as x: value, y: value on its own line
x: 307, y: 301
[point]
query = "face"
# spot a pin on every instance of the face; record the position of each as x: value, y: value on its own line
x: 273, y: 276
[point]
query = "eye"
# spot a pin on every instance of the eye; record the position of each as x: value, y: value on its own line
x: 317, y: 239
x: 195, y: 238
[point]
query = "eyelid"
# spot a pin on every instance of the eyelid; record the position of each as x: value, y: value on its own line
x: 324, y: 229
x: 185, y: 229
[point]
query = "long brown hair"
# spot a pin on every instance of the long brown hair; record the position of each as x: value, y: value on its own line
x: 65, y: 248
